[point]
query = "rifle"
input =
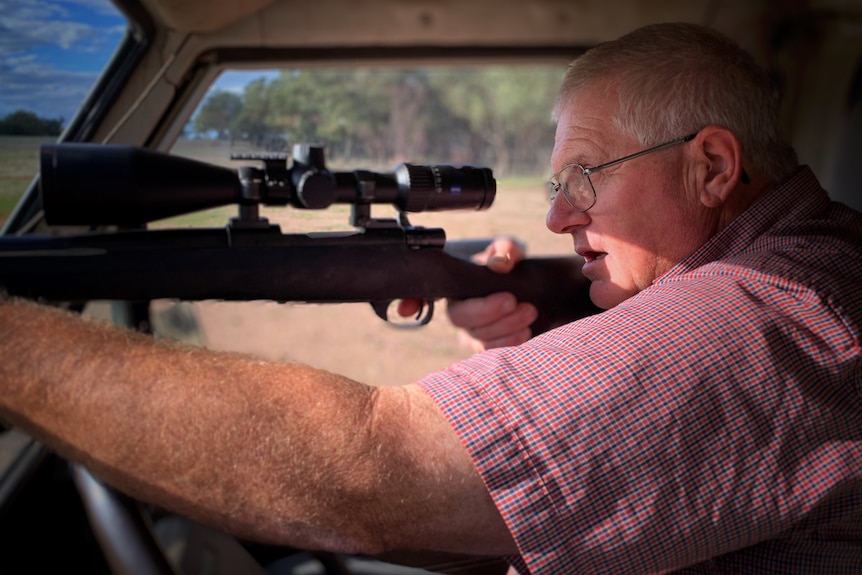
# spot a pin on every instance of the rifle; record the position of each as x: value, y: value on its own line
x: 380, y: 261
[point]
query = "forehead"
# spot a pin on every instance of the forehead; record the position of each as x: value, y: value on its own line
x: 586, y: 132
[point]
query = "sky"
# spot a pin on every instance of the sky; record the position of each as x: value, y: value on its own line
x: 52, y: 52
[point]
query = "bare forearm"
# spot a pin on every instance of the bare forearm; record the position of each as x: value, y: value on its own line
x: 210, y: 435
x: 286, y: 454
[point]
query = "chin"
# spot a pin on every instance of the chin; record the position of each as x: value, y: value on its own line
x: 607, y: 296
x: 599, y: 297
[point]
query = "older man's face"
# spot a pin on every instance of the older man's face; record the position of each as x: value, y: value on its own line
x: 644, y: 221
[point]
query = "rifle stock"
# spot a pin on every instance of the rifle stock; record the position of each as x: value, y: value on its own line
x: 382, y: 261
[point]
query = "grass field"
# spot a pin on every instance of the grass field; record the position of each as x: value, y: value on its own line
x: 19, y: 162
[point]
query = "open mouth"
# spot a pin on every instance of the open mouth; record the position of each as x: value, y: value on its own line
x: 593, y: 256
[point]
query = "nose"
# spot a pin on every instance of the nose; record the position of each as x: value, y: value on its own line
x: 562, y: 217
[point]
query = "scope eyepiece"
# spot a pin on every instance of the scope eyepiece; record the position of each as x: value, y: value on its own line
x: 437, y: 187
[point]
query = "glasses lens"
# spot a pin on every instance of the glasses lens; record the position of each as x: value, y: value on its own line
x: 574, y: 185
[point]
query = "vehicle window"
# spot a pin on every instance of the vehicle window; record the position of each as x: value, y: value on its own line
x: 51, y: 54
x: 375, y: 118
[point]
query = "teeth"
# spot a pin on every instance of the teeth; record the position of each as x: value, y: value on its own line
x: 592, y: 256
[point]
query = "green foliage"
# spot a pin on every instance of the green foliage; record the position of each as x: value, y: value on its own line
x: 254, y: 122
x: 19, y: 162
x: 497, y: 117
x: 26, y: 123
x: 220, y: 113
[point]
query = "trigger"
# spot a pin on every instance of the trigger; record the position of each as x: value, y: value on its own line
x: 425, y: 313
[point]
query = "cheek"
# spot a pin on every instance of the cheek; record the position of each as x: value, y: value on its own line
x: 640, y: 250
x: 644, y: 255
x: 632, y: 267
x: 619, y: 277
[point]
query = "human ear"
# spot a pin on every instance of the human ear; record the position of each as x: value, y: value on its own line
x: 721, y: 153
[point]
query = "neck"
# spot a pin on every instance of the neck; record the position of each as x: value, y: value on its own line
x: 744, y: 195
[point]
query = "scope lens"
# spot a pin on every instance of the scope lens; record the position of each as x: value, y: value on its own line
x: 433, y: 188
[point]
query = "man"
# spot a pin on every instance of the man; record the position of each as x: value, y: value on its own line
x: 710, y: 420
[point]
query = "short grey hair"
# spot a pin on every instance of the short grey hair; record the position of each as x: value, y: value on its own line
x: 675, y: 78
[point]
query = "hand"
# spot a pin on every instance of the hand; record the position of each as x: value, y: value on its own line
x: 496, y: 320
x: 499, y: 319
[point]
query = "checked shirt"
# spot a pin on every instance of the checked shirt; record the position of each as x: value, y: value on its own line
x: 710, y: 424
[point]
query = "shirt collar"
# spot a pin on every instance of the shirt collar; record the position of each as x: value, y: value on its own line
x: 795, y: 199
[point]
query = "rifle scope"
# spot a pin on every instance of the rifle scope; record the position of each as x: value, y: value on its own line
x: 103, y: 184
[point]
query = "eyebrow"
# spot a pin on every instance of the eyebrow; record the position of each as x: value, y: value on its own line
x: 580, y: 158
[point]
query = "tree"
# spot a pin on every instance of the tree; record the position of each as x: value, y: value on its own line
x: 345, y: 110
x: 255, y: 121
x: 505, y: 110
x: 522, y: 99
x: 25, y: 123
x: 220, y: 114
x: 496, y: 117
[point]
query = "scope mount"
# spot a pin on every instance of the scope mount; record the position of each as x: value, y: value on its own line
x: 274, y: 181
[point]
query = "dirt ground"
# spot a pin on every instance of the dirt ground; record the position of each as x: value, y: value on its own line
x: 349, y: 338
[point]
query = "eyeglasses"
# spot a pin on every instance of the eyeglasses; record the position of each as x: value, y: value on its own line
x: 577, y: 187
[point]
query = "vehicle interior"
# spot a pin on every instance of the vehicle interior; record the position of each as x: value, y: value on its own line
x: 54, y: 515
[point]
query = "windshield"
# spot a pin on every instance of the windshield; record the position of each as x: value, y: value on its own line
x: 51, y: 54
x: 373, y: 118
x: 495, y: 116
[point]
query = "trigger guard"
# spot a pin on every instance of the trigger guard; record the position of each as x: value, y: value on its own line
x: 423, y: 316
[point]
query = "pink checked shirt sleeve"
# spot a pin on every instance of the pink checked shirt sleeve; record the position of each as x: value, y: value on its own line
x: 713, y: 421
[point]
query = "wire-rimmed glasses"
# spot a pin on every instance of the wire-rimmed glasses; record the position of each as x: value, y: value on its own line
x: 577, y: 187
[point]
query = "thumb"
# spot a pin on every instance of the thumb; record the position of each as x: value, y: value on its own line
x: 502, y: 255
x: 500, y: 263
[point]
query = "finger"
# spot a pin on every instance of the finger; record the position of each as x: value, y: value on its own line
x: 501, y: 255
x: 509, y: 328
x: 500, y: 263
x: 476, y: 312
x: 510, y: 340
